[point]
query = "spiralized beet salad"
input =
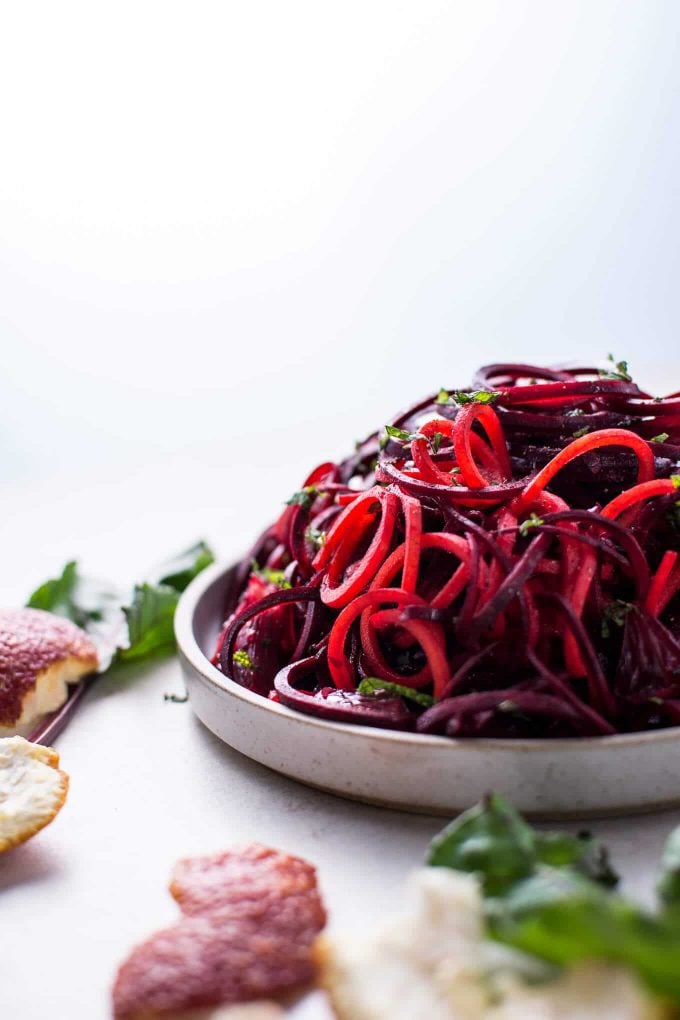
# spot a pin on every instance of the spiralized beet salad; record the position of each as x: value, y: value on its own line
x: 499, y: 561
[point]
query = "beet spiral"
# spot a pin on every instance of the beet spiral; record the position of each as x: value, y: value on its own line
x: 499, y: 561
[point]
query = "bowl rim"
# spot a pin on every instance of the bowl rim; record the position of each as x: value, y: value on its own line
x: 189, y: 648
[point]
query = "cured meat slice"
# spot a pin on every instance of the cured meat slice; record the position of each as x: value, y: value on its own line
x: 251, y: 916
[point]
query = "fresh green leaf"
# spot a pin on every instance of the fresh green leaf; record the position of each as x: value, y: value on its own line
x: 277, y: 577
x: 475, y: 397
x: 462, y: 397
x: 241, y: 658
x: 676, y: 481
x: 437, y: 441
x: 402, y: 435
x: 549, y: 895
x: 374, y: 685
x: 562, y: 916
x: 618, y: 371
x: 304, y: 497
x: 150, y: 618
x: 532, y: 521
x: 117, y: 629
x: 58, y: 595
x: 669, y: 882
x: 495, y: 842
x: 615, y: 612
x: 661, y: 438
x: 90, y: 604
x: 583, y: 852
x: 490, y: 840
x: 179, y: 572
x: 581, y: 432
x: 315, y: 537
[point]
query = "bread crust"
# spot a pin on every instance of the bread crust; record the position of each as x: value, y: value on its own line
x: 33, y: 789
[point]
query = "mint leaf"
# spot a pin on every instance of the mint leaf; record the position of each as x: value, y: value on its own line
x: 661, y: 438
x: 476, y: 397
x: 402, y: 435
x: 615, y: 612
x: 583, y: 852
x: 618, y: 371
x: 304, y: 497
x: 315, y: 537
x: 561, y: 916
x: 92, y: 605
x: 437, y: 441
x: 493, y: 841
x: 490, y: 840
x: 548, y: 894
x: 669, y: 882
x: 179, y: 572
x: 532, y: 521
x: 462, y: 397
x: 277, y: 577
x: 58, y: 595
x: 150, y: 618
x: 118, y: 629
x: 374, y: 685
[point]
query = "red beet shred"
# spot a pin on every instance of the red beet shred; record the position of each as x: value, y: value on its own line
x: 501, y: 561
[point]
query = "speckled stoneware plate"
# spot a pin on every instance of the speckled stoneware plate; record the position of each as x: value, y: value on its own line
x: 434, y: 775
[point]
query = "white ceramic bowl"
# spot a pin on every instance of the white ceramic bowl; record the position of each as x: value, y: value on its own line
x: 578, y: 777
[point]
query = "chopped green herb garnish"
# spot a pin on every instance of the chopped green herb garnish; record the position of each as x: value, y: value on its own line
x: 241, y: 658
x: 277, y: 577
x: 304, y: 497
x: 315, y: 537
x: 437, y: 441
x: 402, y: 435
x: 618, y: 371
x: 476, y: 397
x: 581, y: 432
x: 615, y: 612
x: 374, y: 685
x: 676, y: 481
x: 661, y: 438
x: 461, y: 397
x: 532, y: 521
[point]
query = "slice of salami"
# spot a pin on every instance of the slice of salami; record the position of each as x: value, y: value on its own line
x: 250, y: 919
x: 252, y: 881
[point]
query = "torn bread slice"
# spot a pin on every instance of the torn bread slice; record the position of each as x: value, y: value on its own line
x: 434, y: 961
x: 40, y: 654
x: 32, y: 789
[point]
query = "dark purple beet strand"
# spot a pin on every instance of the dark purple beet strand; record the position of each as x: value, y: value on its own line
x: 500, y: 561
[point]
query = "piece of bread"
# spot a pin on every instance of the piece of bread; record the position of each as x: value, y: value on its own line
x: 434, y: 961
x: 40, y: 654
x: 32, y: 789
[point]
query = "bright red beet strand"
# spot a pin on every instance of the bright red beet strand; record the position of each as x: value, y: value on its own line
x: 502, y: 561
